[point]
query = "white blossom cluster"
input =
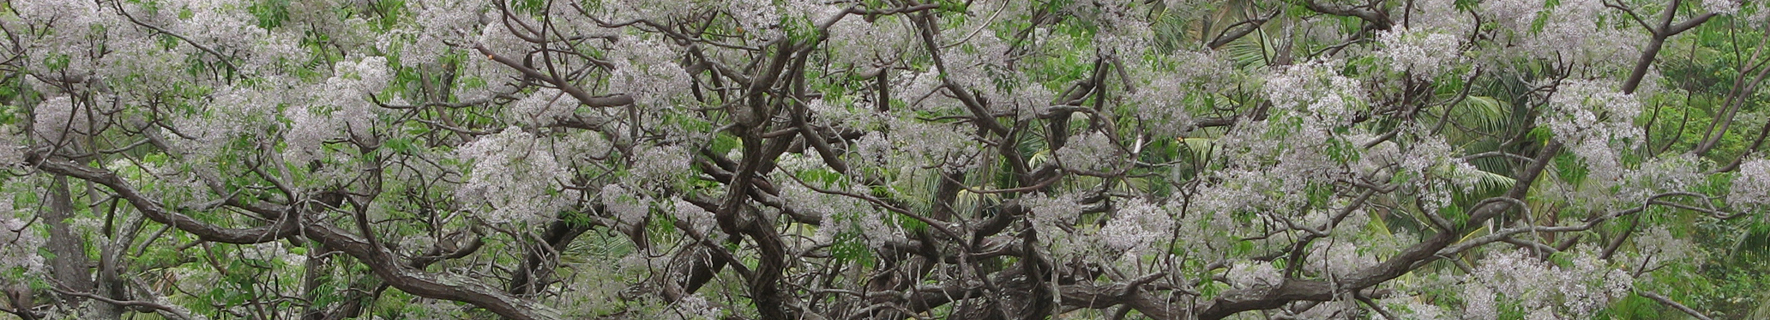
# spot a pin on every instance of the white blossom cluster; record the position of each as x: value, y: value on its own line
x: 842, y: 215
x: 1024, y: 102
x: 1253, y: 274
x: 1280, y: 157
x: 914, y: 144
x: 658, y: 165
x: 234, y: 111
x: 18, y: 241
x: 1594, y: 121
x: 658, y: 10
x: 856, y: 42
x: 976, y: 65
x: 484, y: 79
x: 1054, y: 217
x: 148, y: 66
x: 1442, y: 15
x: 812, y: 11
x: 1542, y: 289
x: 1092, y: 151
x: 438, y: 25
x: 59, y: 120
x: 760, y: 17
x: 64, y: 15
x: 646, y: 69
x: 843, y: 115
x: 1342, y: 307
x: 1583, y: 30
x: 1414, y: 308
x: 1424, y: 52
x: 698, y: 218
x: 514, y: 178
x: 1236, y: 190
x: 582, y: 148
x: 1751, y: 186
x: 68, y: 27
x: 1427, y: 152
x: 1657, y: 247
x: 12, y: 151
x: 1314, y: 92
x: 604, y: 287
x: 1160, y: 101
x: 341, y: 108
x: 921, y: 85
x: 231, y: 27
x: 1129, y: 34
x: 351, y: 31
x: 276, y: 252
x: 542, y: 107
x: 174, y: 185
x: 1291, y: 169
x: 873, y: 148
x: 1721, y: 6
x: 1162, y: 109
x: 1338, y: 259
x: 1665, y: 174
x: 499, y: 40
x: 1139, y: 226
x: 628, y: 207
x: 1430, y: 165
x: 1048, y: 212
x: 697, y: 308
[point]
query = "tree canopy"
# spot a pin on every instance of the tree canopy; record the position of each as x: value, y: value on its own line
x: 884, y: 159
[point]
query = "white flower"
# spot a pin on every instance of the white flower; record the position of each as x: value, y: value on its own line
x: 498, y: 40
x: 646, y: 69
x: 1576, y: 289
x: 628, y: 207
x: 59, y: 118
x: 235, y: 111
x: 1139, y: 224
x: 1413, y: 308
x: 1424, y: 52
x: 917, y: 144
x: 1576, y: 108
x: 1253, y: 274
x: 1160, y: 102
x: 842, y: 215
x: 439, y: 24
x: 18, y: 242
x: 1721, y: 6
x: 1338, y: 259
x: 658, y: 165
x: 1090, y: 151
x: 860, y: 43
x: 1315, y: 92
x: 541, y: 108
x: 1665, y: 174
x: 1570, y: 30
x: 514, y: 178
x: 761, y: 17
x: 701, y: 219
x: 1052, y: 210
x: 1751, y: 186
x: 1656, y: 247
x: 695, y: 307
x: 342, y: 107
x: 11, y: 151
x: 1478, y: 303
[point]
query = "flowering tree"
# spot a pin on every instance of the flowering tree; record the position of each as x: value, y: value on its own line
x: 873, y: 159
